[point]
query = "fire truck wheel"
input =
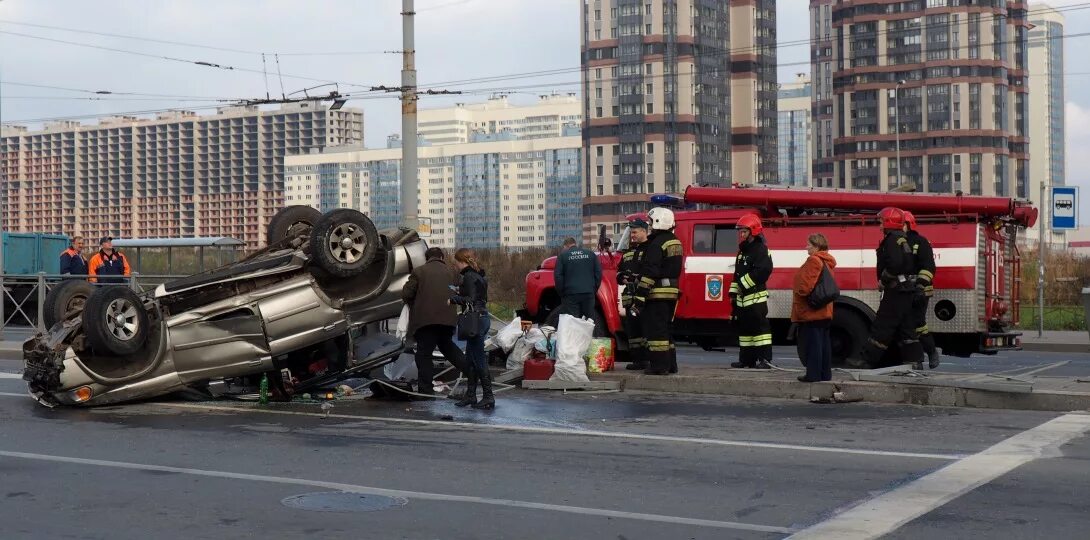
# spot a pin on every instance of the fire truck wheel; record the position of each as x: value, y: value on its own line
x: 848, y: 332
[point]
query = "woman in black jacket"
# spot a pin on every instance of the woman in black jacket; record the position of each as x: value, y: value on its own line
x: 473, y: 295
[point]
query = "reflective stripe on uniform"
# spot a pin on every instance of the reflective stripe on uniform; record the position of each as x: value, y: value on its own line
x: 672, y: 248
x: 646, y: 281
x: 637, y: 343
x: 660, y: 293
x: 755, y: 341
x: 658, y: 346
x: 748, y: 282
x: 734, y: 287
x: 751, y: 299
x: 923, y: 329
x: 926, y: 275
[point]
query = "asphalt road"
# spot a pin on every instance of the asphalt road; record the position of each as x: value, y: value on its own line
x: 541, y: 466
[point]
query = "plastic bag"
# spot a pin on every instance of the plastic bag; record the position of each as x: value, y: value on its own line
x: 573, y: 336
x: 600, y: 355
x: 523, y: 347
x: 506, y: 337
x: 403, y: 323
x: 404, y: 368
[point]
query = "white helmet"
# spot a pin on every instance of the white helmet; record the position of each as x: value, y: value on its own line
x: 662, y: 219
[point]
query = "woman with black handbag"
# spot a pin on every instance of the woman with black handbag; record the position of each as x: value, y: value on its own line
x: 473, y: 325
x: 812, y: 308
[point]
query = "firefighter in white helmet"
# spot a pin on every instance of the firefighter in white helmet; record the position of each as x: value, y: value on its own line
x: 657, y: 292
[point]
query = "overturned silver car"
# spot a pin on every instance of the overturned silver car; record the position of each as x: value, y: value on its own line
x: 300, y: 314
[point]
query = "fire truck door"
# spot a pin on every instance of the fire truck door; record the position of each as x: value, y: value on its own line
x: 706, y: 277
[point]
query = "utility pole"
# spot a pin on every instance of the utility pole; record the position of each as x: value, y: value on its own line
x: 1041, y: 264
x: 409, y: 177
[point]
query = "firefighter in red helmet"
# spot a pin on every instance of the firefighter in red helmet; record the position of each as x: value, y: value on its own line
x: 925, y: 276
x: 749, y: 296
x: 895, y: 322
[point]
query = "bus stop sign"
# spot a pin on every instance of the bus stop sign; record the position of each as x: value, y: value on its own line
x: 1065, y: 208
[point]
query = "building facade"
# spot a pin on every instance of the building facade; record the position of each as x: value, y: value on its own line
x: 795, y: 140
x: 675, y: 92
x: 552, y: 116
x: 1047, y: 129
x: 514, y: 193
x: 178, y: 175
x: 943, y: 83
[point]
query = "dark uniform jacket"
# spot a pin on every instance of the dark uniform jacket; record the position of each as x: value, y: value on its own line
x: 896, y: 266
x: 578, y: 271
x: 752, y: 268
x: 925, y: 262
x: 72, y: 262
x: 628, y: 272
x: 427, y: 293
x: 659, y: 268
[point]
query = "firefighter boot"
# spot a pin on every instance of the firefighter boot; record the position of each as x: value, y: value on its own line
x: 488, y: 401
x: 912, y: 353
x: 470, y: 397
x: 928, y: 342
x: 639, y: 359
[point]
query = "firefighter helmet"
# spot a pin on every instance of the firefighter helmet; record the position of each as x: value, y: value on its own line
x: 662, y: 219
x: 911, y: 220
x: 751, y: 222
x: 892, y: 218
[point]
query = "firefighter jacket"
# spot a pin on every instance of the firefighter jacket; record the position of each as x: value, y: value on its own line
x: 752, y: 268
x: 925, y: 262
x: 103, y: 268
x: 659, y: 268
x: 896, y: 266
x: 628, y: 273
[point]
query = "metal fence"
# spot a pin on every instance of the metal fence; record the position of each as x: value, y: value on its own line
x: 24, y: 296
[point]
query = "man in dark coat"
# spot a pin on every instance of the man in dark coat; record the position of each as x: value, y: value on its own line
x: 577, y: 275
x: 432, y: 318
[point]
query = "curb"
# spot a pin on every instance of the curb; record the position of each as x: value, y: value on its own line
x: 874, y: 392
x: 1056, y: 347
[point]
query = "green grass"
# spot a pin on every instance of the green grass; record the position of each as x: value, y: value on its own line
x: 1056, y: 318
x: 502, y: 311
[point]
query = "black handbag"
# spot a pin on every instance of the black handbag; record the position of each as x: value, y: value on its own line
x: 469, y: 324
x: 825, y: 290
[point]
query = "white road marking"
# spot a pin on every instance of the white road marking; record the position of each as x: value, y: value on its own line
x: 888, y: 512
x: 6, y: 375
x: 354, y: 488
x: 563, y: 431
x: 577, y: 432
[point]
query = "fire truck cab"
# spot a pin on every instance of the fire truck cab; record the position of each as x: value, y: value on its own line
x: 975, y: 304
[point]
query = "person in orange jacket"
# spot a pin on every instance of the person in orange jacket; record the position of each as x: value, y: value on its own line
x: 108, y: 266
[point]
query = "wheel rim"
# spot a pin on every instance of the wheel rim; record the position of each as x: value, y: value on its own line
x: 346, y: 243
x: 121, y: 319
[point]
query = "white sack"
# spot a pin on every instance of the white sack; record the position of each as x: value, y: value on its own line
x: 403, y: 323
x: 573, y: 337
x: 506, y: 337
x: 523, y: 348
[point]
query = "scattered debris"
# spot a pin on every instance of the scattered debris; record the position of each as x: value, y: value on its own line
x: 571, y: 385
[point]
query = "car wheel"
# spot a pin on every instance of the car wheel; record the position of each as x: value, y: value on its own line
x: 344, y: 242
x: 64, y: 299
x: 292, y: 222
x: 115, y: 321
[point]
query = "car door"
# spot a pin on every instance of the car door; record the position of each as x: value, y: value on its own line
x: 707, y: 272
x: 222, y: 344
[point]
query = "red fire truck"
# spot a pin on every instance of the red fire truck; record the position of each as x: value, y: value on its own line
x: 974, y: 308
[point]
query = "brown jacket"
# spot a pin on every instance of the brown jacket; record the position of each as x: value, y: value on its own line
x: 805, y: 280
x: 427, y: 292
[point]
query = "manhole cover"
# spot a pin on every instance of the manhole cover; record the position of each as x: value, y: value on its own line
x: 342, y: 501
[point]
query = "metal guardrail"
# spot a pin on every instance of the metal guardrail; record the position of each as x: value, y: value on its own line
x: 22, y: 303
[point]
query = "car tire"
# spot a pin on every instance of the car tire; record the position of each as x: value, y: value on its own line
x: 64, y: 298
x: 848, y: 332
x: 292, y: 222
x: 115, y: 321
x: 344, y: 242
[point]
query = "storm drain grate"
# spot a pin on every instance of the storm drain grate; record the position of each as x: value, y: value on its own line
x: 343, y: 501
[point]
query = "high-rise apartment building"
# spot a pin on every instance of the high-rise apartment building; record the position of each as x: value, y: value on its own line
x: 795, y: 132
x: 551, y: 116
x: 177, y: 175
x: 1047, y: 129
x: 942, y: 83
x: 675, y: 92
x: 503, y: 192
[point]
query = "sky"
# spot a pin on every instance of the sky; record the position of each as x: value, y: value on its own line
x: 456, y: 40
